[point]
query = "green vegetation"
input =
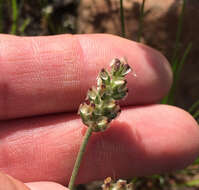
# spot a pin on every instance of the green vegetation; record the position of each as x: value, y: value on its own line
x: 1, y: 16
x: 176, y: 62
x: 14, y: 17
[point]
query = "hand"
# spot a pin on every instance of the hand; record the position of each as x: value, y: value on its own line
x: 42, y: 82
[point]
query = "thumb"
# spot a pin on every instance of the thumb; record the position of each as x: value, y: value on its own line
x: 9, y: 183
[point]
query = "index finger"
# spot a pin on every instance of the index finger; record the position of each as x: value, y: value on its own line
x: 50, y: 74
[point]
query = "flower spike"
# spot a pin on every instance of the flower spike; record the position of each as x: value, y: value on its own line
x: 101, y: 104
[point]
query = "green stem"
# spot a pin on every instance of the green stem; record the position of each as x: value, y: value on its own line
x: 177, y: 67
x: 195, y: 115
x: 122, y: 18
x: 178, y: 34
x: 79, y: 158
x: 14, y: 17
x: 1, y: 16
x: 193, y: 107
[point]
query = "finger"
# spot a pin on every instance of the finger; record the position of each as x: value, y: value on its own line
x: 45, y: 186
x: 142, y: 141
x: 9, y: 183
x: 41, y: 75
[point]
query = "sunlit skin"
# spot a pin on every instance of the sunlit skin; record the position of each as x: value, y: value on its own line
x: 42, y: 82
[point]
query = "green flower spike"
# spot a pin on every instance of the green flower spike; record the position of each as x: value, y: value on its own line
x: 101, y: 104
x: 101, y: 107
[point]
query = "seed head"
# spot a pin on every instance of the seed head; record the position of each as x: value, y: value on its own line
x: 101, y: 106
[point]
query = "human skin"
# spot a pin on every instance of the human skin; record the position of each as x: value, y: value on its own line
x: 42, y: 82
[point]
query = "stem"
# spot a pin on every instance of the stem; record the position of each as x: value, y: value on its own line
x: 179, y: 31
x: 177, y: 67
x: 195, y: 115
x: 1, y: 16
x: 193, y: 107
x: 14, y: 17
x: 122, y: 18
x: 79, y: 158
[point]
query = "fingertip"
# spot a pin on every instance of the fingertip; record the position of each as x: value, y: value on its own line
x: 159, y: 73
x: 171, y: 139
x: 154, y: 75
x: 189, y: 149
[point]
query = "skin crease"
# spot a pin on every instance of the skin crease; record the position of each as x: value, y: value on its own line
x: 52, y: 74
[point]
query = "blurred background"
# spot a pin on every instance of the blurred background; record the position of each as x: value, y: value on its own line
x: 171, y: 26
